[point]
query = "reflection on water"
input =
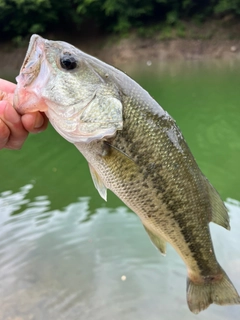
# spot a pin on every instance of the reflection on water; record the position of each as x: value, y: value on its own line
x: 55, y: 266
x: 66, y: 254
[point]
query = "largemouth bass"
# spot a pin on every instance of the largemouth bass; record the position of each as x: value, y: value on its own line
x: 135, y: 149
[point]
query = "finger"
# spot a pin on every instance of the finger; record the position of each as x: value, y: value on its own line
x: 7, y: 86
x: 4, y: 134
x: 5, y: 96
x: 17, y: 132
x: 35, y: 122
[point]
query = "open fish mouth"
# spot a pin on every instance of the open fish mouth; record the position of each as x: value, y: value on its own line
x: 32, y: 63
x: 33, y: 70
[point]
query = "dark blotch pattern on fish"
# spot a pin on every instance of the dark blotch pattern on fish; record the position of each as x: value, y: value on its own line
x: 164, y: 170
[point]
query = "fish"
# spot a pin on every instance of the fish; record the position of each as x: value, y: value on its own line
x: 135, y: 149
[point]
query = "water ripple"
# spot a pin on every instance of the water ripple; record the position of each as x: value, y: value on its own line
x: 70, y: 269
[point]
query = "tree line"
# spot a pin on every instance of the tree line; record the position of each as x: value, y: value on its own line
x: 19, y: 18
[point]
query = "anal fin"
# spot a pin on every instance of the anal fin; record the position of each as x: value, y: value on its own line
x: 157, y: 241
x: 219, y: 211
x: 98, y: 183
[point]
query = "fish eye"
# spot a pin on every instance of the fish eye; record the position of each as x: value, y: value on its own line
x: 68, y: 62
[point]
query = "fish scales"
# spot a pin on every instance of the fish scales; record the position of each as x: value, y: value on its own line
x: 135, y: 149
x: 162, y: 198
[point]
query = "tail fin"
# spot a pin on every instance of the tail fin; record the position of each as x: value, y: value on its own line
x: 221, y: 292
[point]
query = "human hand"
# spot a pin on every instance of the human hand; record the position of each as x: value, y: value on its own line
x: 14, y: 128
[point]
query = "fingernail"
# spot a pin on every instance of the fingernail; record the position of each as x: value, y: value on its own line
x: 11, y: 115
x: 39, y: 121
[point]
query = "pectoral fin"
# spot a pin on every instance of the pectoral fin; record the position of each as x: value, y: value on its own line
x: 98, y: 183
x: 157, y: 241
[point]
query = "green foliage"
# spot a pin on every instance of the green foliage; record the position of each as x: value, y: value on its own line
x: 23, y: 17
x: 19, y: 18
x: 227, y: 6
x: 180, y: 30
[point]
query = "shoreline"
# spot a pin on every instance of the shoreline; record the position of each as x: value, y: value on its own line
x: 132, y: 50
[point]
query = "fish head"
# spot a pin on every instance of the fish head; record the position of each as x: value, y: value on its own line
x: 71, y: 88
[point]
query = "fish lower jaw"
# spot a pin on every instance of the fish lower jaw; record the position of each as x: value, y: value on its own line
x: 67, y: 132
x: 27, y: 102
x: 75, y: 131
x: 71, y: 136
x: 72, y: 133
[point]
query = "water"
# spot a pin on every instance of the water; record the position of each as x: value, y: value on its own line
x: 66, y: 254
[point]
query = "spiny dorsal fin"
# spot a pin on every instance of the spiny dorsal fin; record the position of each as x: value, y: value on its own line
x: 98, y: 183
x: 157, y: 241
x: 219, y: 211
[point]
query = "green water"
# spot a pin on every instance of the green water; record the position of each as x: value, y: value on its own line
x: 63, y: 250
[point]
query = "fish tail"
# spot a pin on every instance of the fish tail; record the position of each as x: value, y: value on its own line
x: 218, y: 290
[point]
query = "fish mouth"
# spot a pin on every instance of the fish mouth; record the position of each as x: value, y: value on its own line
x: 32, y: 62
x: 26, y: 96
